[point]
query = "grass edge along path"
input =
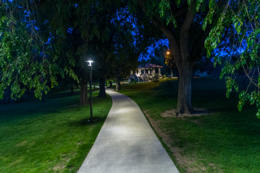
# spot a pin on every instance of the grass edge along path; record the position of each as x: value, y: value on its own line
x: 49, y: 136
x: 225, y: 141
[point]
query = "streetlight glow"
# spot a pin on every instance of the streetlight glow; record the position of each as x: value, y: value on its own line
x: 168, y: 52
x: 90, y: 62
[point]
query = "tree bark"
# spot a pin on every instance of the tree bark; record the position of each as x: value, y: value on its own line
x: 83, y: 94
x: 43, y: 96
x: 184, y: 54
x: 71, y: 90
x: 118, y: 86
x: 184, y: 105
x: 102, y: 92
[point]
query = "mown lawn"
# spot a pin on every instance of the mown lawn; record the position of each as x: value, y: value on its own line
x: 225, y: 141
x: 49, y: 136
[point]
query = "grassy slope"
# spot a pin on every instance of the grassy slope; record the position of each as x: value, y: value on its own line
x: 50, y: 136
x: 225, y: 141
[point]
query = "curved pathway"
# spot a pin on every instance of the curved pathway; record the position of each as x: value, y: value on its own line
x: 126, y: 143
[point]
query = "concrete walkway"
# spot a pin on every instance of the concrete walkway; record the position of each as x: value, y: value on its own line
x: 127, y: 143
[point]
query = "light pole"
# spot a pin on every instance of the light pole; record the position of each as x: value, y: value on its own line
x: 90, y: 83
x: 168, y: 53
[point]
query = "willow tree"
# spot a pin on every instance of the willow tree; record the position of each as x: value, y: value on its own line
x: 182, y: 24
x: 26, y: 59
x: 62, y: 24
x: 42, y: 33
x: 244, y: 40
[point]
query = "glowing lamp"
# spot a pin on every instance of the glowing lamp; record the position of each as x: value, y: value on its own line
x: 89, y: 62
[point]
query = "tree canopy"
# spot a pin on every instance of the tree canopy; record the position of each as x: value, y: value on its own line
x: 244, y: 48
x: 181, y: 22
x: 42, y: 41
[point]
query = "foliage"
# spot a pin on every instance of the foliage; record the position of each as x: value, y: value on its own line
x: 52, y: 41
x: 181, y: 22
x: 243, y: 18
x: 157, y: 55
x: 126, y: 48
x: 164, y: 76
x: 133, y: 81
x: 155, y: 78
x: 27, y: 60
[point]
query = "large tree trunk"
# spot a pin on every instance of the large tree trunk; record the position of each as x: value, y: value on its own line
x: 118, y: 86
x: 71, y: 90
x: 185, y: 54
x: 43, y: 96
x: 83, y: 94
x: 102, y: 92
x: 184, y: 105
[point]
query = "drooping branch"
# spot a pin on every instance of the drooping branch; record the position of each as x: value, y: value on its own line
x: 198, y: 48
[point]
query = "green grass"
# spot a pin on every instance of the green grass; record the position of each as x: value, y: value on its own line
x: 49, y: 136
x: 225, y: 141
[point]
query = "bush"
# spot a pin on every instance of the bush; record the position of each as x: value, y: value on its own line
x: 133, y: 81
x: 156, y: 79
x: 164, y: 76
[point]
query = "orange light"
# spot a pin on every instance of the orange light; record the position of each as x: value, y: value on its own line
x: 168, y: 52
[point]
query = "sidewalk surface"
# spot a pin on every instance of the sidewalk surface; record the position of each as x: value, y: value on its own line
x: 126, y: 143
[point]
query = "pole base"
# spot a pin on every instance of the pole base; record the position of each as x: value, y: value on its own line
x: 92, y: 119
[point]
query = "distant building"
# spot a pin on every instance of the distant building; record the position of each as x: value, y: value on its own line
x: 145, y: 73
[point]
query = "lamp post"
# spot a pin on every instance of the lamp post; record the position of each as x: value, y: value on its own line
x: 168, y: 53
x: 90, y: 83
